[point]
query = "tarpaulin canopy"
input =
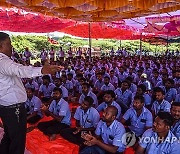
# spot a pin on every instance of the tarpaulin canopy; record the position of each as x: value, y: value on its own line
x: 95, y: 10
x: 16, y: 20
x: 167, y: 25
x: 116, y: 30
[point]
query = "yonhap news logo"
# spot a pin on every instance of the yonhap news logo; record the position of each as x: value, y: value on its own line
x: 129, y: 139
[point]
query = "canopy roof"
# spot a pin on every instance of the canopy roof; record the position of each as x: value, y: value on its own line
x: 95, y: 10
x: 16, y: 20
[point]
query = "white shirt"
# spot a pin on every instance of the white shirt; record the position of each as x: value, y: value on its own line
x: 12, y: 90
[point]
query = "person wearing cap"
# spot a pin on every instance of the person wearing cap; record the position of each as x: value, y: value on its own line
x: 13, y: 95
x: 145, y: 81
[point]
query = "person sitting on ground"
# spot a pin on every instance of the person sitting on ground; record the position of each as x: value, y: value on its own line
x: 87, y: 118
x: 99, y: 82
x: 141, y: 90
x: 87, y: 92
x: 58, y: 83
x: 144, y: 80
x: 124, y: 95
x: 133, y: 87
x: 31, y: 83
x: 175, y: 112
x: 60, y: 112
x: 33, y: 107
x: 139, y: 116
x: 113, y: 79
x: 45, y: 90
x: 161, y: 139
x: 67, y: 84
x: 109, y: 97
x: 108, y: 135
x: 107, y: 85
x: 160, y: 104
x: 170, y: 91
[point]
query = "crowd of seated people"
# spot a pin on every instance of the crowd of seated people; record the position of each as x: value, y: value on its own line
x: 116, y: 95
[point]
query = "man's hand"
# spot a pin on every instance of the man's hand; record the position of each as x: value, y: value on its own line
x: 45, y: 110
x: 78, y: 129
x: 87, y: 136
x: 91, y: 142
x: 50, y: 69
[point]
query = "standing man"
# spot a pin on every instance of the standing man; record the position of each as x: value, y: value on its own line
x: 27, y: 55
x: 13, y: 95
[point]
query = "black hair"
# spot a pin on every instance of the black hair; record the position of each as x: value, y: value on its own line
x: 166, y: 117
x: 86, y: 84
x: 143, y: 87
x: 107, y: 77
x: 139, y: 97
x: 57, y: 89
x: 129, y: 78
x: 175, y: 104
x: 31, y: 88
x: 170, y: 80
x: 99, y: 73
x: 159, y: 89
x: 110, y: 92
x: 59, y: 79
x: 89, y: 99
x: 64, y: 76
x: 47, y: 77
x: 70, y: 74
x: 3, y: 36
x: 128, y: 82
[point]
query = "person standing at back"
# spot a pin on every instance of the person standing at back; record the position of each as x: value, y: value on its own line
x: 13, y: 95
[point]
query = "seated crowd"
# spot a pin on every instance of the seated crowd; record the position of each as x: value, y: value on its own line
x: 116, y: 95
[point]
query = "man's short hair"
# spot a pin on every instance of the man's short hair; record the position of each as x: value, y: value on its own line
x: 89, y: 99
x: 139, y: 97
x: 166, y: 117
x: 170, y: 80
x: 86, y: 84
x: 3, y: 36
x: 128, y: 82
x: 175, y: 104
x: 142, y: 86
x: 47, y: 77
x: 159, y: 89
x: 107, y: 77
x: 110, y: 92
x: 57, y: 89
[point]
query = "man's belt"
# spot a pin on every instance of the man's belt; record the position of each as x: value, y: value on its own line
x: 13, y: 106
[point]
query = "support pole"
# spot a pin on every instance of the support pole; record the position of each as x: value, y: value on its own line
x: 90, y: 41
x: 120, y: 44
x: 141, y: 46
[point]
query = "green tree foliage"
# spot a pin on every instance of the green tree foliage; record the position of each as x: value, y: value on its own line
x: 36, y: 43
